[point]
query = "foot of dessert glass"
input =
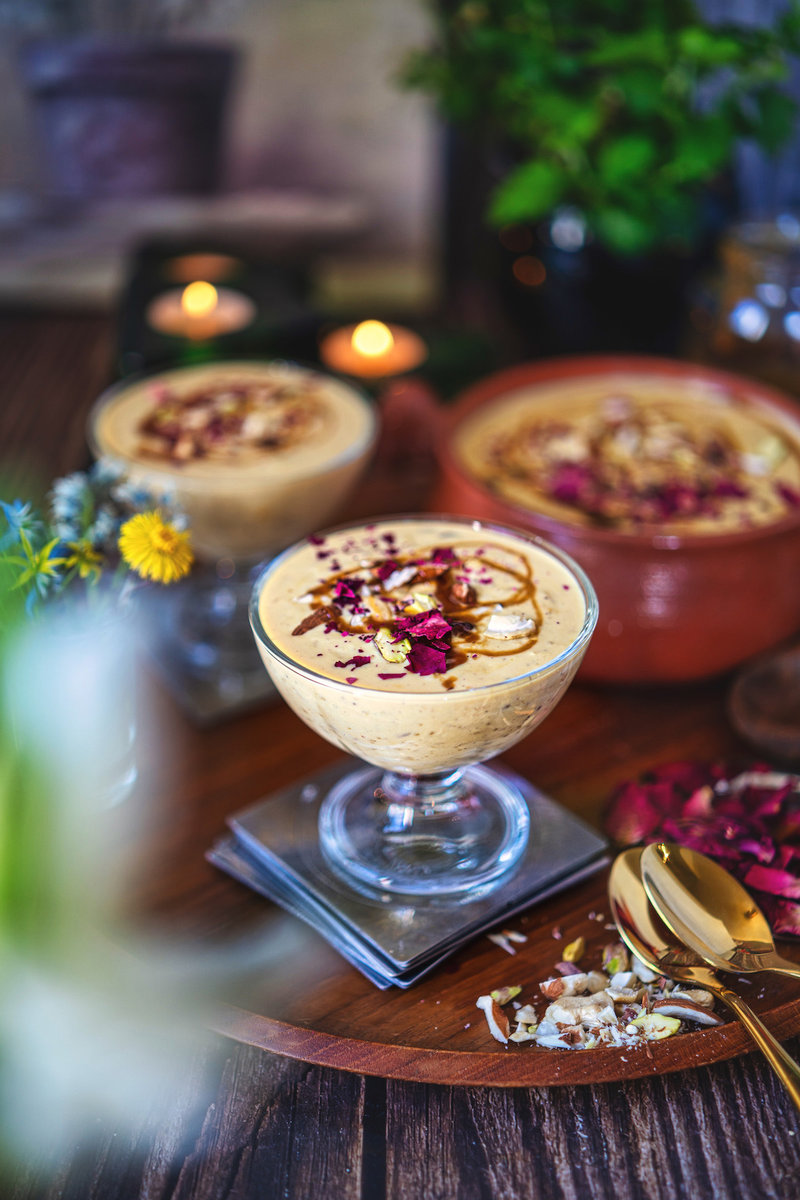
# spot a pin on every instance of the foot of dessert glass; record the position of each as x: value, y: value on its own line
x: 430, y: 835
x: 507, y: 616
x: 204, y: 646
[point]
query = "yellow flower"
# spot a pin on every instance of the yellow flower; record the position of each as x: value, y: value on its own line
x: 154, y: 548
x: 85, y: 558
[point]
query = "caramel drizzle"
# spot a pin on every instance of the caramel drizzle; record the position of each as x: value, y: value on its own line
x: 715, y: 449
x: 456, y: 656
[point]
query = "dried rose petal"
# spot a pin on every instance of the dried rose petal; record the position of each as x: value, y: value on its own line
x: 763, y: 850
x: 631, y: 817
x: 426, y: 625
x: 774, y: 881
x: 385, y: 569
x: 788, y: 494
x: 347, y: 591
x: 783, y: 916
x: 427, y: 660
x: 748, y: 821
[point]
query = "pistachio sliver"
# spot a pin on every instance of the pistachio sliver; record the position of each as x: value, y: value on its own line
x: 393, y: 652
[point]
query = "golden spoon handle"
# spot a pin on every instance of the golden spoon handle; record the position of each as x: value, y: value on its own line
x: 784, y: 967
x: 782, y: 1063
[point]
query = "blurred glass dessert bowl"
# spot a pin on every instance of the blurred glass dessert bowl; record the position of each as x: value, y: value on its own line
x: 256, y: 454
x: 423, y: 645
x: 676, y: 487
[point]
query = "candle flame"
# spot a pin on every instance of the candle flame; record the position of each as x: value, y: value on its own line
x: 199, y: 299
x: 372, y: 338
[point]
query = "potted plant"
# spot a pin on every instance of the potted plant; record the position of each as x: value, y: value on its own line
x: 598, y: 128
x: 124, y: 107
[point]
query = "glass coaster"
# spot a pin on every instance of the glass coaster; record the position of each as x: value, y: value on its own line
x: 274, y: 846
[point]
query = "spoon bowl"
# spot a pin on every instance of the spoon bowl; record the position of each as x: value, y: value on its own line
x: 710, y: 911
x: 643, y: 934
x: 642, y: 931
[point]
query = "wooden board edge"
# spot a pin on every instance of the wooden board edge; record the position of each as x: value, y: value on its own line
x: 511, y: 1067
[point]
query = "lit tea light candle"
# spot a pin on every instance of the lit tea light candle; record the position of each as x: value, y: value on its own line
x: 200, y: 311
x: 372, y: 350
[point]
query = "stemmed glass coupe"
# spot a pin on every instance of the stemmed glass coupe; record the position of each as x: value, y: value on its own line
x: 420, y: 814
x: 241, y: 511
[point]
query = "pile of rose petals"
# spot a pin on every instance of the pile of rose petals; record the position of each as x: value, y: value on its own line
x: 749, y: 821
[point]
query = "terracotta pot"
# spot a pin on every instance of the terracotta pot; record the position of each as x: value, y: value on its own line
x: 672, y: 608
x: 128, y: 116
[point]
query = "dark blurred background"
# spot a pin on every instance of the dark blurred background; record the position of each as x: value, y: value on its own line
x: 300, y: 132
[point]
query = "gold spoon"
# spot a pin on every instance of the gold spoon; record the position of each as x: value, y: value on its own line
x: 646, y: 937
x: 710, y: 911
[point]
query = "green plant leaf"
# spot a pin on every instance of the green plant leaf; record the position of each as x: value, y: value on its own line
x: 626, y: 159
x: 528, y: 193
x: 700, y: 150
x: 642, y: 88
x: 616, y: 49
x: 624, y: 232
x: 624, y: 110
x: 709, y: 46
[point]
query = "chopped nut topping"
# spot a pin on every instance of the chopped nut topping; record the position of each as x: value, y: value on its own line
x: 567, y: 985
x: 526, y: 1015
x: 226, y: 422
x: 694, y: 996
x: 657, y: 461
x: 582, y: 1010
x: 575, y: 950
x: 684, y: 1010
x: 462, y: 595
x: 615, y: 958
x: 591, y: 1009
x: 497, y: 1020
x: 656, y: 1026
x: 509, y: 625
x: 393, y: 652
x: 320, y: 616
x: 501, y: 940
x: 505, y: 994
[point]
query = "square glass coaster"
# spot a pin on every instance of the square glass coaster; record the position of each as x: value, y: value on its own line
x: 274, y: 848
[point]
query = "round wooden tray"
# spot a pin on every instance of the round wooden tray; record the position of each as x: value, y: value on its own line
x: 315, y: 1007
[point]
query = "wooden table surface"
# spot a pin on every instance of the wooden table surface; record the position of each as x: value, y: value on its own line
x: 250, y: 1125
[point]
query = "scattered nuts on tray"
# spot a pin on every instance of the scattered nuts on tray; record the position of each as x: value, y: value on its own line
x: 625, y: 1004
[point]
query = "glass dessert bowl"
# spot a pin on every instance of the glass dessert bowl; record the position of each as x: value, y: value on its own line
x: 256, y: 454
x: 423, y: 646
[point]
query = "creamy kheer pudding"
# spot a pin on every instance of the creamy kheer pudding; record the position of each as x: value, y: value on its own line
x: 631, y: 451
x: 255, y: 453
x: 423, y: 644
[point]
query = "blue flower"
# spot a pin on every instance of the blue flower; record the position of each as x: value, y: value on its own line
x: 21, y: 519
x: 106, y: 472
x: 131, y: 496
x: 68, y: 531
x: 71, y: 499
x: 104, y: 528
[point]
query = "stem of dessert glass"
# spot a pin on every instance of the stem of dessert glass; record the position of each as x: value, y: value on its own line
x: 411, y: 797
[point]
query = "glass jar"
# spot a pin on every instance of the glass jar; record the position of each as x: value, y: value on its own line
x: 747, y: 318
